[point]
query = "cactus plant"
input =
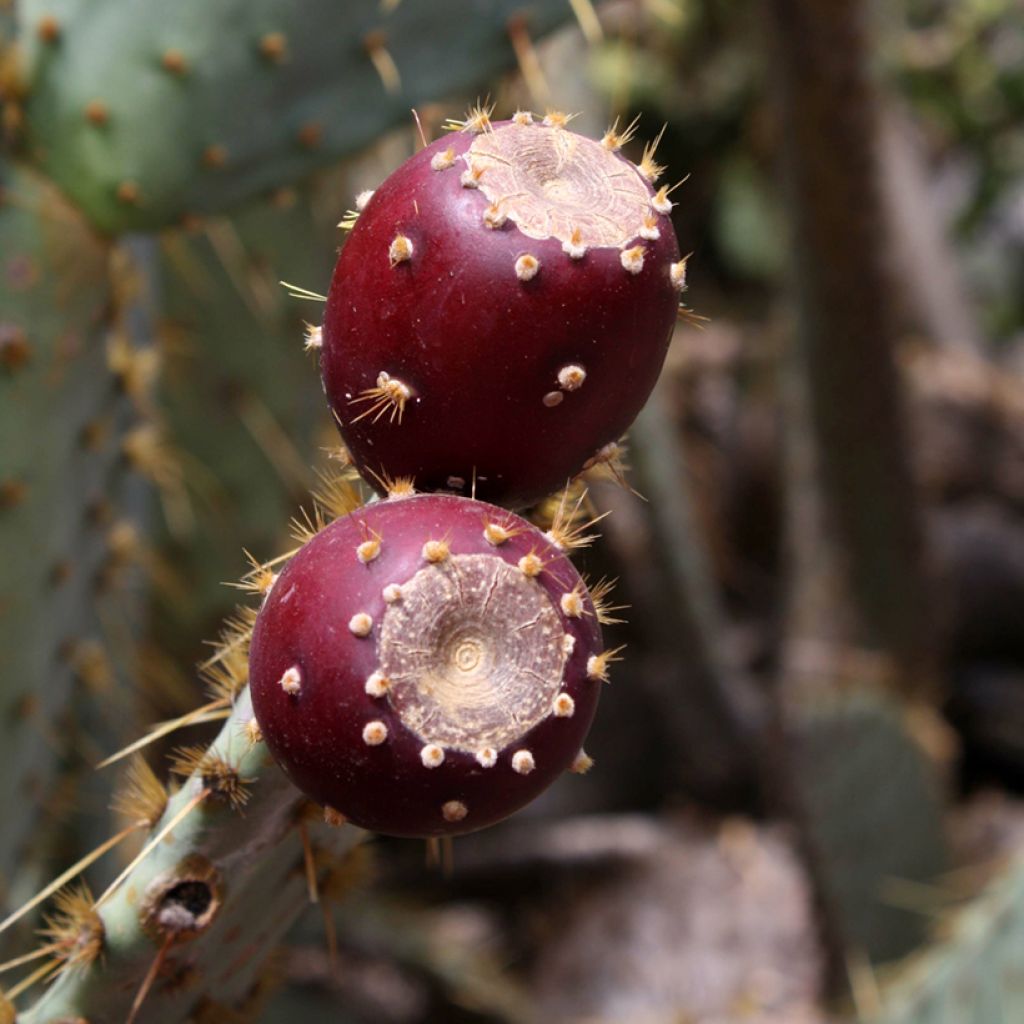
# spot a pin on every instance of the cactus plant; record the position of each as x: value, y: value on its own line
x: 971, y: 975
x: 67, y: 381
x: 501, y: 309
x: 319, y: 80
x: 427, y: 665
x: 209, y: 898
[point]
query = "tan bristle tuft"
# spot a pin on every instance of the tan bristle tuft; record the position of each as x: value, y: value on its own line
x: 522, y: 117
x: 432, y: 756
x: 487, y: 757
x: 454, y: 810
x: 531, y: 565
x: 370, y: 548
x: 648, y: 167
x: 334, y: 818
x: 374, y: 733
x: 677, y: 274
x: 571, y: 520
x: 218, y: 776
x: 582, y: 763
x: 471, y: 175
x: 400, y: 250
x: 363, y: 198
x: 527, y: 266
x: 314, y: 338
x: 494, y: 217
x: 597, y: 664
x: 75, y: 927
x: 253, y: 732
x: 600, y: 596
x: 389, y: 394
x: 572, y: 603
x: 563, y: 706
x: 435, y: 551
x: 571, y: 377
x: 557, y: 119
x: 633, y: 259
x: 336, y: 494
x: 291, y: 681
x: 477, y: 120
x: 377, y: 685
x: 650, y: 230
x: 523, y: 762
x: 361, y: 624
x: 575, y: 248
x: 614, y: 140
x: 141, y: 796
x: 443, y: 160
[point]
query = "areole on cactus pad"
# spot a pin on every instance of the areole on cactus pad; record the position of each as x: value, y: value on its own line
x: 501, y: 309
x: 427, y: 665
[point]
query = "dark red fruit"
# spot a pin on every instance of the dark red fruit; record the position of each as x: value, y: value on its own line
x: 501, y: 310
x: 426, y: 666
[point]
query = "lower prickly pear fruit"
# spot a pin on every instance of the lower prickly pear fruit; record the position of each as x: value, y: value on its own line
x: 501, y: 309
x: 427, y: 665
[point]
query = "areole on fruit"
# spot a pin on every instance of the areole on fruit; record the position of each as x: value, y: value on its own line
x: 437, y: 687
x: 514, y: 287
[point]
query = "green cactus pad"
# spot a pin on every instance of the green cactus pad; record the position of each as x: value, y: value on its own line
x: 61, y: 415
x: 207, y: 104
x: 974, y: 975
x: 219, y: 891
x: 873, y: 810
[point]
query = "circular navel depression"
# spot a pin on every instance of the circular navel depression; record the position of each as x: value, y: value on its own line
x: 473, y: 652
x: 556, y: 184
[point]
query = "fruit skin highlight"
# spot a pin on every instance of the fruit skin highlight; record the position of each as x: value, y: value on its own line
x: 397, y: 650
x: 478, y: 280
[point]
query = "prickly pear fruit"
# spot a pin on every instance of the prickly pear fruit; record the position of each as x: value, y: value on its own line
x: 501, y: 309
x: 427, y: 665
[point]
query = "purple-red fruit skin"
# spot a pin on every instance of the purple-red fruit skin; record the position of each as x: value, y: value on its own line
x: 316, y: 734
x: 480, y: 348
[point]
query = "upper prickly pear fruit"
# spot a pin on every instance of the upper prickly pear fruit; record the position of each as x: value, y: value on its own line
x: 501, y: 309
x: 427, y: 665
